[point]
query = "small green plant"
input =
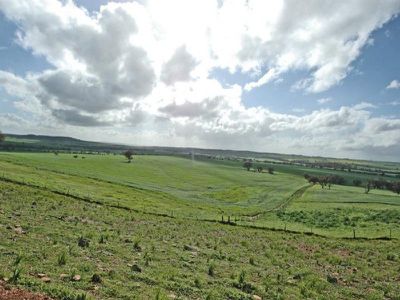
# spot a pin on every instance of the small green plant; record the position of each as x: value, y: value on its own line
x: 102, y: 239
x: 16, y: 275
x: 136, y: 245
x: 81, y: 297
x: 197, y: 283
x: 211, y: 270
x: 251, y: 261
x: 242, y: 278
x: 17, y: 260
x: 62, y: 259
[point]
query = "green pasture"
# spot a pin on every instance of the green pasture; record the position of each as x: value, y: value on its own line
x: 202, y: 190
x: 131, y: 255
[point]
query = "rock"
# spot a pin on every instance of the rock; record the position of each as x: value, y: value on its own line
x: 63, y: 276
x: 331, y: 279
x: 41, y: 275
x: 45, y: 279
x: 96, y: 278
x: 297, y: 277
x: 76, y: 278
x: 82, y: 242
x: 256, y: 297
x: 171, y: 296
x: 136, y: 268
x: 19, y: 230
x: 190, y: 248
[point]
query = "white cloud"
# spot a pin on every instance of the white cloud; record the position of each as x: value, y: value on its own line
x: 266, y: 78
x: 324, y: 100
x: 394, y: 103
x: 395, y: 84
x: 364, y: 105
x: 148, y: 65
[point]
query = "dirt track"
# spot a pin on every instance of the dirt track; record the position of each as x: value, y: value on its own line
x: 11, y: 293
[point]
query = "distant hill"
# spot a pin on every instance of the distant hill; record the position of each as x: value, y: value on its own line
x: 44, y: 143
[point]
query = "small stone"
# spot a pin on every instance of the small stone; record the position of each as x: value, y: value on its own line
x: 45, y: 279
x: 63, y: 276
x: 76, y: 278
x: 82, y: 242
x: 297, y: 277
x: 19, y: 230
x: 332, y: 279
x: 96, y: 278
x: 136, y: 268
x: 41, y: 275
x: 190, y: 248
x: 256, y: 297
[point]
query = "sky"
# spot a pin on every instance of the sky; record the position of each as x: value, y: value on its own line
x: 313, y: 77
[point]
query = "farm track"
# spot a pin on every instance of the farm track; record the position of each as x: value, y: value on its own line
x: 296, y: 195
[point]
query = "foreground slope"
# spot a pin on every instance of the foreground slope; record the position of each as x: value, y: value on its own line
x: 144, y: 256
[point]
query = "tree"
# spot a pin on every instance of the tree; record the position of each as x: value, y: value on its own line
x: 2, y: 137
x: 129, y: 155
x: 247, y: 164
x: 367, y: 187
x: 396, y: 188
x: 357, y: 182
x: 271, y: 170
x: 259, y: 169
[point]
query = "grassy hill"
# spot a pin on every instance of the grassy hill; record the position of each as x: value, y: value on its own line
x: 153, y: 229
x: 130, y: 255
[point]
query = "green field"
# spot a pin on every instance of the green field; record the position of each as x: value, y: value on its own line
x: 155, y: 232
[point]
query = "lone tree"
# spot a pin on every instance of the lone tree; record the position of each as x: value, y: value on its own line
x: 271, y: 170
x: 247, y: 164
x: 2, y: 137
x: 396, y: 188
x: 129, y: 155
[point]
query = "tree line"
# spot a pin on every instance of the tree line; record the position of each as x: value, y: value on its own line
x: 326, y: 180
x: 329, y: 180
x: 248, y: 164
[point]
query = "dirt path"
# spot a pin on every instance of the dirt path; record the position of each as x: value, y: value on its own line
x: 11, y: 293
x: 296, y: 195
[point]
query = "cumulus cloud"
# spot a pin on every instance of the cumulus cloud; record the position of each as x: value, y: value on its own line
x: 149, y: 65
x: 394, y: 84
x: 74, y: 117
x: 179, y: 67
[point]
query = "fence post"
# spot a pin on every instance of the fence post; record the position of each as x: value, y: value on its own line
x: 354, y: 233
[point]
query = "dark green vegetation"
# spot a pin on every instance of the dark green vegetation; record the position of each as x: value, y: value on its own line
x: 121, y: 254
